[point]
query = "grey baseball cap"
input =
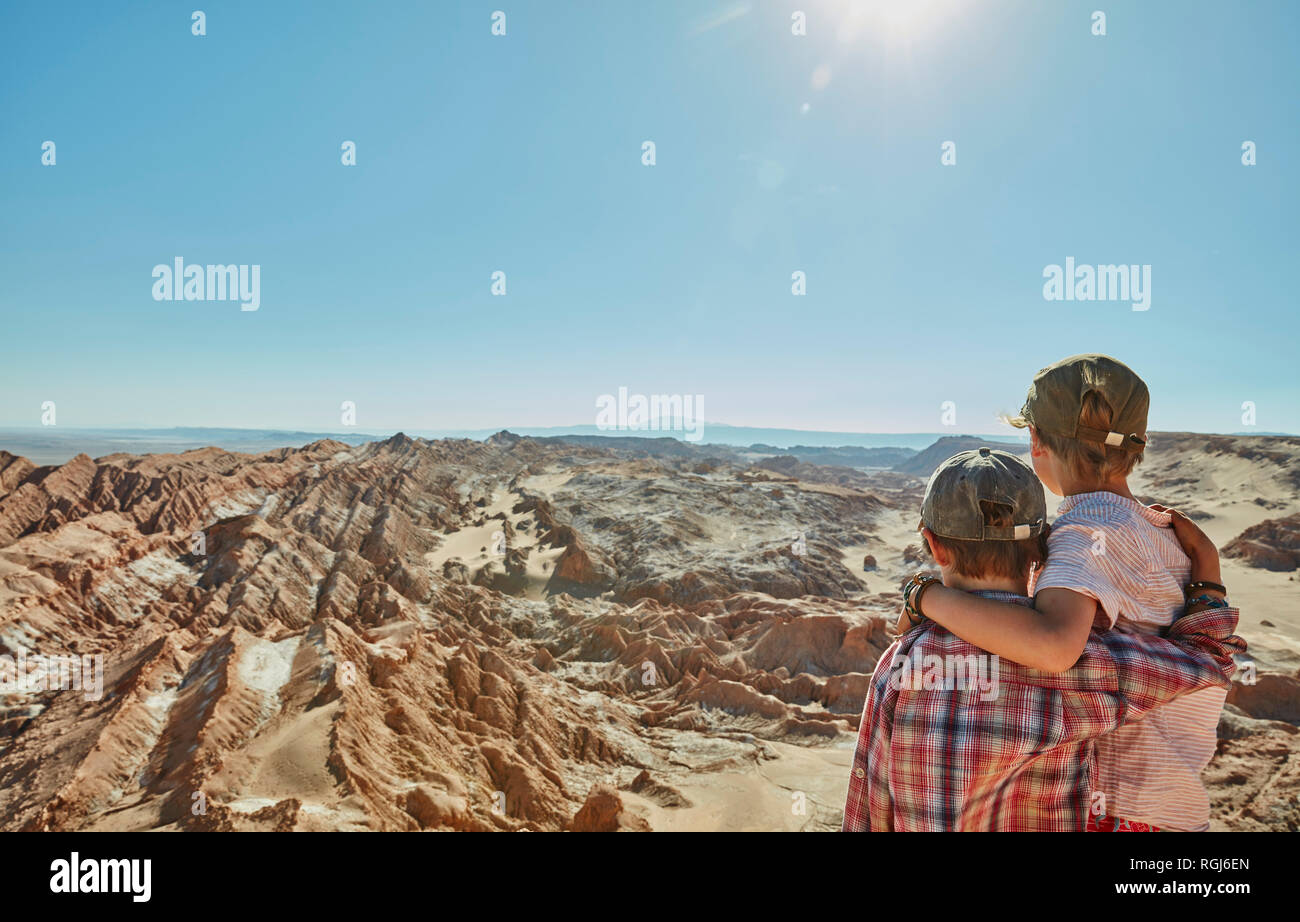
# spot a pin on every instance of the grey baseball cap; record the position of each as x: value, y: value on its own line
x: 951, y: 508
x: 1055, y: 400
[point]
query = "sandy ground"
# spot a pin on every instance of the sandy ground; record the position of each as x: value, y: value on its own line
x: 478, y: 545
x: 791, y: 789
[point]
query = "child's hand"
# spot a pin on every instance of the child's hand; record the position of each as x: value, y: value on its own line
x: 1196, y: 544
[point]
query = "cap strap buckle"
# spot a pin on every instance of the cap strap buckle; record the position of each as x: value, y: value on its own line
x: 1130, y: 442
x: 1012, y: 532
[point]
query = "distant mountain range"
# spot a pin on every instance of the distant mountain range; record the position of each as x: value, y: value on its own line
x: 909, y: 452
x: 55, y: 445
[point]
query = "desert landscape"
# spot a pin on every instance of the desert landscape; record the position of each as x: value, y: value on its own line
x: 577, y: 633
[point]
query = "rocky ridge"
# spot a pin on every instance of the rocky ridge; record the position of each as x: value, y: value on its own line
x: 461, y: 635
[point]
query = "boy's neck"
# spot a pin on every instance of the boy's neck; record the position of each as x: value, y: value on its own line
x: 996, y: 583
x: 1119, y: 486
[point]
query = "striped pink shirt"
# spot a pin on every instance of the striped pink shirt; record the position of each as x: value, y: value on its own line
x: 1125, y: 556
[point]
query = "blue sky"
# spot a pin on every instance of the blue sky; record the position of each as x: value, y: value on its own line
x: 523, y: 153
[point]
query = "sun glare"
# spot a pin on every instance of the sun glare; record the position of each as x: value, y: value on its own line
x: 890, y: 21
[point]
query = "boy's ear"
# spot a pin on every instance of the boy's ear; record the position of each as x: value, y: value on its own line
x: 1035, y: 447
x: 937, y: 550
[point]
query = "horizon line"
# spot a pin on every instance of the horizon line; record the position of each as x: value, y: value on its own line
x: 572, y: 430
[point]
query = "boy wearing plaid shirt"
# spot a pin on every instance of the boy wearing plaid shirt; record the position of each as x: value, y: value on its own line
x: 1114, y: 562
x: 954, y: 739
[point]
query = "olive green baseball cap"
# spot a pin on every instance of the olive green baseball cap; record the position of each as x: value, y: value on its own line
x: 1055, y: 401
x: 951, y: 508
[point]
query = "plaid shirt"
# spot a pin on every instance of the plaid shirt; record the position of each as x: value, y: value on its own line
x: 934, y: 759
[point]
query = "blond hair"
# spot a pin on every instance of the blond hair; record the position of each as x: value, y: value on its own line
x: 1084, y: 458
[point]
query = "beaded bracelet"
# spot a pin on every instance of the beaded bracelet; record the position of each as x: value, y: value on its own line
x: 1210, y: 601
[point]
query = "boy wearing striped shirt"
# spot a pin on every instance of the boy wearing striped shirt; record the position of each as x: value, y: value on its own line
x: 1114, y: 562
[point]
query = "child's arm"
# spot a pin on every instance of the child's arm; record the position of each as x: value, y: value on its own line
x: 1148, y: 671
x: 1049, y: 637
x: 1200, y: 550
x: 1198, y: 653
